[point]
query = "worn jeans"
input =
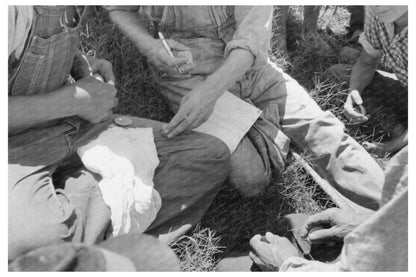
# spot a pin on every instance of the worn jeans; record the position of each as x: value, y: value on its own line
x: 48, y: 203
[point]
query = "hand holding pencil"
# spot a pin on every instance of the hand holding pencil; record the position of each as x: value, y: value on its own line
x: 171, y: 57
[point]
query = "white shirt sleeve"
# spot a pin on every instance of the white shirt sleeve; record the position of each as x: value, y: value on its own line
x: 20, y: 22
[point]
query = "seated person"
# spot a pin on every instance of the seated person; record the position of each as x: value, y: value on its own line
x: 229, y: 47
x: 52, y: 197
x: 115, y: 254
x: 372, y: 242
x: 384, y: 40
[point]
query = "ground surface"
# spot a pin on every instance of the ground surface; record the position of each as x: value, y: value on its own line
x: 232, y: 220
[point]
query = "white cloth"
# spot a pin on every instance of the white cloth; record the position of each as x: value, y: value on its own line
x: 126, y: 160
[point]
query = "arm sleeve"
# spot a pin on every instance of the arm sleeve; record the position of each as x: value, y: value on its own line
x: 253, y: 32
x: 303, y: 265
x: 20, y: 22
x: 370, y: 39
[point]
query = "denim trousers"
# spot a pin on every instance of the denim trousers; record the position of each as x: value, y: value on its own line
x: 53, y: 198
x: 290, y: 115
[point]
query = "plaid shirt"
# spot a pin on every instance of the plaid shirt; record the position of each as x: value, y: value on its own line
x: 393, y: 46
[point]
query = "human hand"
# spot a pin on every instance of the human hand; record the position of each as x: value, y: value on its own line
x: 195, y: 108
x: 341, y: 222
x: 182, y: 59
x: 269, y: 252
x: 351, y: 112
x: 85, y: 66
x: 95, y: 99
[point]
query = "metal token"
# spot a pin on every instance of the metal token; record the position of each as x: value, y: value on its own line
x: 123, y: 121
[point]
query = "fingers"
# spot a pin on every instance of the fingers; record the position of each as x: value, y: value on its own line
x: 354, y: 116
x: 314, y: 221
x: 105, y: 69
x: 171, y: 129
x: 271, y: 237
x: 174, y: 45
x: 256, y: 243
x: 256, y: 259
x: 323, y: 235
x: 175, y: 61
x: 356, y: 97
x: 187, y: 67
x: 357, y: 117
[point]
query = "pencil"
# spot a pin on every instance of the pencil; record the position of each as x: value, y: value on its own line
x: 167, y: 48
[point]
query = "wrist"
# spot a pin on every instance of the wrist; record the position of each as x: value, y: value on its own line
x: 72, y: 96
x: 147, y: 46
x: 353, y: 89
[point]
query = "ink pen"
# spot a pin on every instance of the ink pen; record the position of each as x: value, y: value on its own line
x: 167, y: 48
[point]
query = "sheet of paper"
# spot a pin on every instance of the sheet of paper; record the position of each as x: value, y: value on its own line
x: 230, y: 120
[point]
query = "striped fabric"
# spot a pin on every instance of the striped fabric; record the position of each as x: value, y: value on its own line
x: 393, y: 46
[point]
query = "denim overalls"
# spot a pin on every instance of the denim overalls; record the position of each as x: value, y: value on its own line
x: 35, y: 205
x: 44, y: 66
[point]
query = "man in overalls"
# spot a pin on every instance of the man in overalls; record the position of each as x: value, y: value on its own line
x: 229, y: 47
x: 52, y: 197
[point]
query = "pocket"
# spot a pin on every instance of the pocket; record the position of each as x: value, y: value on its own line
x: 207, y: 53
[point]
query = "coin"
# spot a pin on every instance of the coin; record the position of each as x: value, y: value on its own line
x: 123, y: 120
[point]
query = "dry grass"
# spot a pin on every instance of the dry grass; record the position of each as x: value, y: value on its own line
x: 232, y: 220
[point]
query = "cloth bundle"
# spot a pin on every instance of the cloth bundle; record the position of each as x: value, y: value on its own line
x: 126, y: 159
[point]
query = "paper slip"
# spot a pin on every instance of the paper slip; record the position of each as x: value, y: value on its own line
x: 230, y: 120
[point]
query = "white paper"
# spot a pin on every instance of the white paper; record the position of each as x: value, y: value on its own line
x: 230, y: 120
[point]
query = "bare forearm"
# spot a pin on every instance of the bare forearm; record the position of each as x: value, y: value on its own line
x: 363, y: 72
x: 233, y: 69
x: 133, y: 28
x: 28, y: 111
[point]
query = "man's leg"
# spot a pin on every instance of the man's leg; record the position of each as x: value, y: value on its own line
x: 250, y: 167
x: 39, y: 213
x: 81, y: 187
x: 249, y: 174
x: 345, y: 163
x: 279, y: 40
x: 192, y: 168
x: 310, y: 19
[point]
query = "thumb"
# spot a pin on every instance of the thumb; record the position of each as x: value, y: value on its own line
x: 174, y: 45
x: 356, y: 97
x: 271, y: 237
x: 323, y: 234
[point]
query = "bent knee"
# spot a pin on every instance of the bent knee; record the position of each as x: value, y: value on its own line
x: 209, y: 149
x: 216, y: 149
x: 249, y: 180
x: 34, y: 235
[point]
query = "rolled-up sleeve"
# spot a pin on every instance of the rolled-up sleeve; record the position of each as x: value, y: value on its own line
x: 253, y: 32
x: 370, y: 38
